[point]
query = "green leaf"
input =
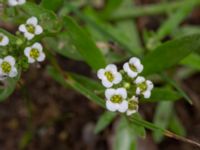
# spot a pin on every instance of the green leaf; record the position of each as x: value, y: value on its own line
x: 25, y: 140
x: 70, y: 81
x: 170, y: 53
x: 174, y: 20
x: 51, y: 4
x: 192, y: 61
x: 105, y: 119
x: 124, y: 139
x: 153, y: 9
x: 178, y: 88
x: 131, y: 35
x: 84, y: 44
x: 110, y: 7
x: 48, y: 20
x: 163, y: 94
x: 8, y: 88
x: 63, y: 46
x: 109, y: 31
x: 162, y: 118
x: 176, y: 126
x: 137, y: 129
x: 87, y: 82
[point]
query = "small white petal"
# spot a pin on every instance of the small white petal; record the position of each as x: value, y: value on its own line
x: 37, y: 46
x: 139, y: 80
x: 138, y: 91
x: 132, y: 74
x: 123, y: 106
x: 32, y: 21
x: 12, y: 2
x: 111, y: 67
x: 139, y: 67
x: 149, y: 85
x: 13, y: 72
x: 38, y: 30
x: 130, y: 112
x: 122, y: 92
x: 147, y: 94
x: 126, y: 67
x: 22, y: 28
x: 107, y: 83
x: 10, y: 59
x: 111, y: 106
x: 134, y: 60
x: 101, y: 73
x: 27, y: 51
x: 4, y: 41
x: 109, y: 93
x: 31, y: 60
x: 1, y: 60
x: 28, y: 35
x: 21, y: 2
x: 41, y: 57
x: 118, y: 78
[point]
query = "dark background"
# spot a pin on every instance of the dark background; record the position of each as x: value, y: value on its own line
x: 42, y: 115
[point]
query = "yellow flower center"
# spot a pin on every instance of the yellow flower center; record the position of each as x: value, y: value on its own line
x: 34, y: 53
x: 143, y: 86
x: 6, y: 67
x: 109, y: 76
x: 133, y: 68
x: 1, y: 38
x: 132, y: 105
x: 30, y: 28
x: 116, y: 99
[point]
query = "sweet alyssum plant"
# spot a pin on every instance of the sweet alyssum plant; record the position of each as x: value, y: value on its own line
x: 124, y: 87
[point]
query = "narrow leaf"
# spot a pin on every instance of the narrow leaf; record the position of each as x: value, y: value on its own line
x: 51, y: 4
x: 170, y: 53
x: 163, y: 94
x: 104, y: 120
x: 70, y: 81
x: 84, y: 44
x: 124, y: 139
x: 162, y: 118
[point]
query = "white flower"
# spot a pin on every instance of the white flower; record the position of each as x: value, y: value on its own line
x: 116, y: 99
x: 16, y: 2
x: 31, y: 28
x: 109, y: 75
x: 133, y: 67
x: 143, y: 86
x: 7, y: 67
x: 34, y: 53
x: 4, y: 40
x: 132, y: 106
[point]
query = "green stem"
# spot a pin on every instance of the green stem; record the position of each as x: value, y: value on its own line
x: 167, y: 133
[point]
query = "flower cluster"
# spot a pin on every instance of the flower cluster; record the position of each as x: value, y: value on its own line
x: 32, y: 53
x: 124, y: 87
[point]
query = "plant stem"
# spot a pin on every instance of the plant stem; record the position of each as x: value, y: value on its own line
x: 167, y: 133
